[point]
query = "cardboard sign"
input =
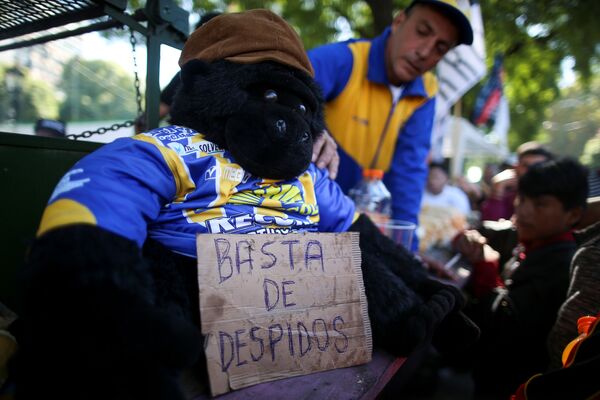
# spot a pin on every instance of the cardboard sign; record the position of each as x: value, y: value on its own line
x: 276, y: 306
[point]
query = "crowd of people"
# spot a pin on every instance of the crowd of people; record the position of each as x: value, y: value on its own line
x: 527, y: 289
x: 524, y: 291
x: 529, y: 283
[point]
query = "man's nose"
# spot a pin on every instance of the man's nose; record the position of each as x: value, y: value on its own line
x: 426, y: 48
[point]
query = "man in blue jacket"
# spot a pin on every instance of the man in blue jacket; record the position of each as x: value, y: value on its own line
x: 380, y: 98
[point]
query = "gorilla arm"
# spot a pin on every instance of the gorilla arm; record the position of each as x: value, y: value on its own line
x: 89, y: 311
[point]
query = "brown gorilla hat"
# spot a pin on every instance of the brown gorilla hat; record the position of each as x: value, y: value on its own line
x: 248, y: 37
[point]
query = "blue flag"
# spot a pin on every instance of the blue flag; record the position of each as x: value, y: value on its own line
x: 489, y: 97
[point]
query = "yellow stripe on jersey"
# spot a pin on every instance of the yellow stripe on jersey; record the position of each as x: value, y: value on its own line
x: 358, y: 117
x: 229, y: 175
x: 310, y: 198
x: 65, y: 212
x: 183, y: 182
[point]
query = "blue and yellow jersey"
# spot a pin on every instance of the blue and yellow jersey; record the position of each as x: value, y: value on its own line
x: 371, y: 130
x: 172, y: 184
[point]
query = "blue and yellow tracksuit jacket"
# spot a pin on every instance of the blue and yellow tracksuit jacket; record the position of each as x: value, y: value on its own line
x: 360, y: 114
x: 171, y: 184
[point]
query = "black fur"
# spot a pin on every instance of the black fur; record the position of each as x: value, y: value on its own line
x: 405, y: 305
x: 92, y: 328
x: 264, y: 136
x: 103, y: 319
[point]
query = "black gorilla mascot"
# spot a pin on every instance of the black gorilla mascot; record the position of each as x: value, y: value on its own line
x: 110, y: 307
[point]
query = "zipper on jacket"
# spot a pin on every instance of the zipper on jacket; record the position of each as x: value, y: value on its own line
x: 384, y: 132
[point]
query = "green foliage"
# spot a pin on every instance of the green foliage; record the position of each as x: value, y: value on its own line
x: 591, y: 153
x: 319, y: 21
x: 573, y: 123
x: 30, y: 100
x: 40, y: 100
x: 5, y: 99
x: 97, y: 90
x: 534, y: 36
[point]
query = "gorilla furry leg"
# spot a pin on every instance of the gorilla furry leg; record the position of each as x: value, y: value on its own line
x: 399, y: 260
x: 400, y: 319
x: 406, y: 307
x: 90, y: 326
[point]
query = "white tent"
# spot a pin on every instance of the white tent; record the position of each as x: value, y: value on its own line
x: 463, y: 140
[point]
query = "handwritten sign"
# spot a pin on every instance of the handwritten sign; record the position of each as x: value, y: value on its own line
x: 276, y: 306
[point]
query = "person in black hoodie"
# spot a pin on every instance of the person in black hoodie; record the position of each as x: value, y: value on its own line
x: 517, y: 306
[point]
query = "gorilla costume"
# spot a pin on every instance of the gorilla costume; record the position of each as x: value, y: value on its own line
x: 110, y: 302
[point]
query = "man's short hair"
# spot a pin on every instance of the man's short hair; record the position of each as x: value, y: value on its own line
x: 450, y: 9
x: 439, y: 164
x: 564, y: 178
x: 54, y: 127
x: 533, y: 149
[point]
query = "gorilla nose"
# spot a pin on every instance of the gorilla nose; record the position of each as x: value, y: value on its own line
x: 281, y: 126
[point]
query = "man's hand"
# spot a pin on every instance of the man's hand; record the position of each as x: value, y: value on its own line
x: 325, y: 154
x: 473, y: 246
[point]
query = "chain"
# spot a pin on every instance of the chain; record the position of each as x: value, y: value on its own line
x: 101, y: 131
x: 136, y: 80
x: 138, y: 99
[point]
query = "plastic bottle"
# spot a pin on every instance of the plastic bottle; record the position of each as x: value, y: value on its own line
x: 583, y: 327
x: 371, y: 197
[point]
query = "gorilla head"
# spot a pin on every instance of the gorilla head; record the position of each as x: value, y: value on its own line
x: 258, y: 102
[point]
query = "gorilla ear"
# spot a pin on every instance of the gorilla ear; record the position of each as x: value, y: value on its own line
x: 192, y: 68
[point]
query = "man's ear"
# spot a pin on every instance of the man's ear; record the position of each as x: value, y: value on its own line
x: 574, y: 215
x: 399, y: 19
x: 191, y: 69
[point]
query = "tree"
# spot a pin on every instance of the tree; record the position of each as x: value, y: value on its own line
x: 97, y: 90
x: 42, y: 101
x: 591, y: 153
x: 32, y: 99
x: 533, y: 36
x: 319, y: 21
x: 573, y: 122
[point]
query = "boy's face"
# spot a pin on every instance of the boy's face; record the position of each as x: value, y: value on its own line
x: 541, y: 217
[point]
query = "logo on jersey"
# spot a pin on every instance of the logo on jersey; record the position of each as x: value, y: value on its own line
x: 211, y: 173
x: 287, y: 198
x: 198, y: 147
x: 172, y: 133
x: 232, y: 174
x: 67, y: 184
x: 257, y: 223
x: 178, y: 147
x: 362, y: 121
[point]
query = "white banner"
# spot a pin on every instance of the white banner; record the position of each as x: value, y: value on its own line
x: 458, y: 72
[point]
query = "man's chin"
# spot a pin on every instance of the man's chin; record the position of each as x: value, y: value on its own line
x: 405, y: 74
